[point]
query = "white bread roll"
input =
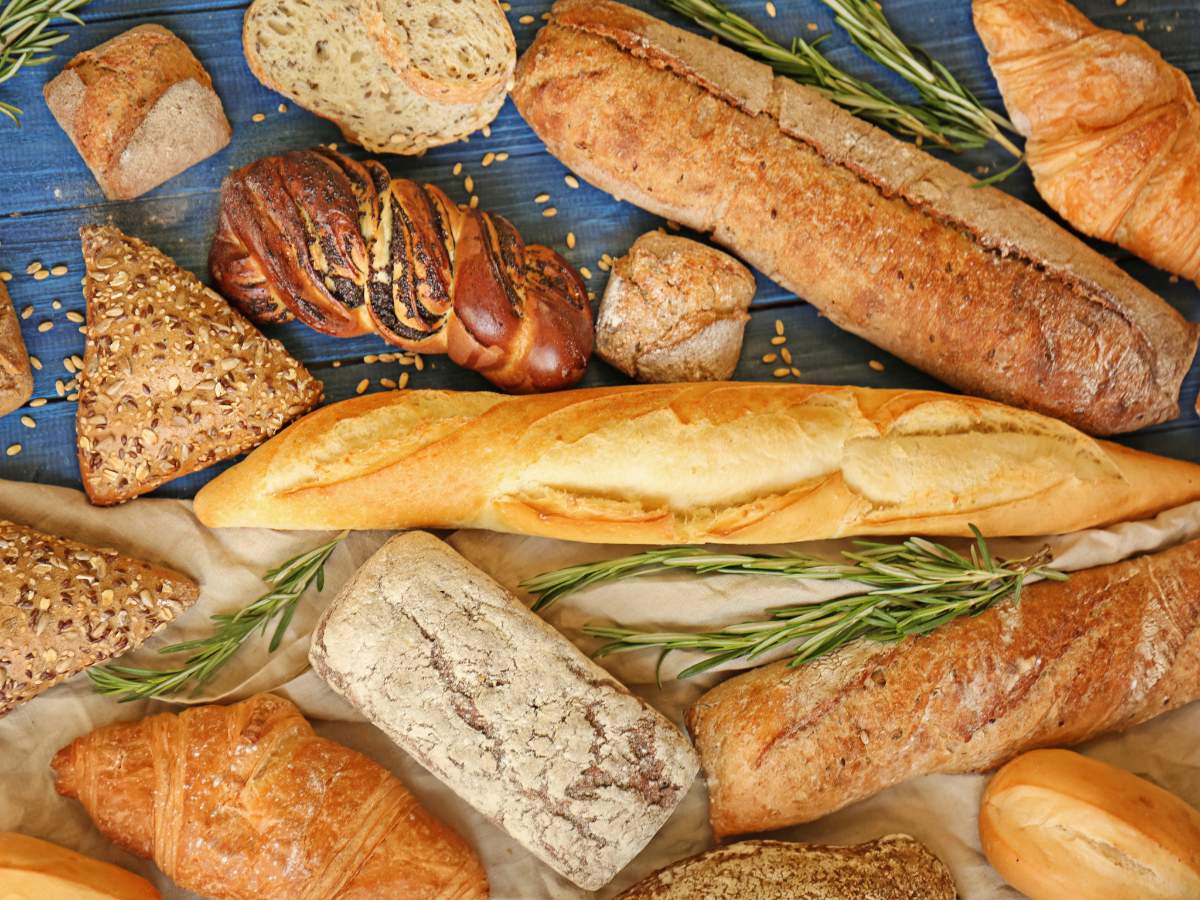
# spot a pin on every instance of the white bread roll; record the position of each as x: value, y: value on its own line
x: 32, y: 869
x: 665, y: 464
x: 1056, y: 824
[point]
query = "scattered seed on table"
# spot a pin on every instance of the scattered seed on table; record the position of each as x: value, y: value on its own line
x: 507, y: 7
x: 59, y: 388
x: 550, y: 212
x: 68, y: 365
x: 387, y: 383
x: 457, y: 170
x: 362, y: 386
x: 769, y: 358
x: 73, y: 396
x: 603, y: 264
x: 486, y: 130
x: 40, y: 401
x: 35, y: 362
x: 58, y: 271
x: 27, y: 312
x: 56, y: 305
x: 258, y: 117
x: 469, y: 184
x: 779, y: 326
x: 876, y: 365
x: 45, y: 326
x: 812, y: 26
x: 488, y: 159
x: 76, y: 317
x: 541, y: 198
x: 795, y: 372
x: 28, y: 422
x: 474, y: 201
x: 5, y: 276
x: 572, y: 182
x: 34, y: 266
x: 282, y: 107
x: 337, y: 364
x: 781, y: 372
x: 41, y: 275
x: 418, y: 362
x: 778, y: 340
x: 571, y: 240
x: 403, y: 382
x: 585, y: 271
x: 526, y: 20
x: 771, y: 11
x: 786, y: 354
x: 502, y: 156
x: 78, y: 360
x: 13, y: 449
x: 370, y: 358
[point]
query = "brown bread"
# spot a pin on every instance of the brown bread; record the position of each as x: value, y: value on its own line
x: 16, y: 378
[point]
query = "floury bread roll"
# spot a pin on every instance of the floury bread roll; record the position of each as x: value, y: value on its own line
x: 1056, y: 824
x: 665, y: 464
x: 1111, y: 647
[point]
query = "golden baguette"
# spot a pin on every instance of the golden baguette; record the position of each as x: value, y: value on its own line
x: 665, y: 464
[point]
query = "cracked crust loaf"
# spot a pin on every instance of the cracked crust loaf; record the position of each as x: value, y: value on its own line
x: 503, y: 709
x: 891, y: 244
x: 1111, y: 647
x: 699, y: 463
x: 895, y: 867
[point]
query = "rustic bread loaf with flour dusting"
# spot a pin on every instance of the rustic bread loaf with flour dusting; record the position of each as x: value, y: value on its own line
x: 891, y: 244
x: 502, y: 708
x: 709, y: 462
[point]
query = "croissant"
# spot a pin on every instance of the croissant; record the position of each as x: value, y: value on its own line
x: 1114, y: 130
x: 244, y: 802
x: 339, y: 245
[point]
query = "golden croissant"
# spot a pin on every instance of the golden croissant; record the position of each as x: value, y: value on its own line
x: 1114, y: 130
x: 245, y: 802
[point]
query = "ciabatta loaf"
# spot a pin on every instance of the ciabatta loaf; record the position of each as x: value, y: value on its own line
x: 895, y: 867
x: 322, y: 56
x: 717, y: 462
x: 1109, y: 648
x: 889, y: 243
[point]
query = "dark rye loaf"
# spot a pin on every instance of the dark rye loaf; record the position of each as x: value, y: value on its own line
x: 503, y: 709
x: 888, y: 242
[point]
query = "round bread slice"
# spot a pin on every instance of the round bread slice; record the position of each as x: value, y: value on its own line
x: 321, y: 56
x: 455, y: 52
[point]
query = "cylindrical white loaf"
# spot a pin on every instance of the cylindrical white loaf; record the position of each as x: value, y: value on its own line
x: 1056, y: 824
x: 503, y: 709
x: 664, y: 464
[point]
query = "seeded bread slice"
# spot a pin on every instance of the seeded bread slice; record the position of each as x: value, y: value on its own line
x: 173, y: 378
x: 320, y: 55
x: 457, y: 52
x: 16, y: 378
x: 65, y: 606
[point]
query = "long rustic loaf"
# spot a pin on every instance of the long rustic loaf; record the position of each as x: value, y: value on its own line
x: 1113, y: 646
x: 716, y: 462
x: 891, y: 244
x: 895, y: 867
x: 503, y: 709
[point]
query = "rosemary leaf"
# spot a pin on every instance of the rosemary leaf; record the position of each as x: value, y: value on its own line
x: 288, y: 583
x: 26, y: 37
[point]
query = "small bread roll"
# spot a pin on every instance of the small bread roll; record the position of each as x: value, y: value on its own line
x: 32, y: 869
x: 1056, y: 824
x: 674, y: 310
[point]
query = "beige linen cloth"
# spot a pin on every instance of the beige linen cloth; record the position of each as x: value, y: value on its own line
x: 938, y: 810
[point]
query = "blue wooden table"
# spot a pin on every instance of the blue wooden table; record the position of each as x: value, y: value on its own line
x: 46, y: 193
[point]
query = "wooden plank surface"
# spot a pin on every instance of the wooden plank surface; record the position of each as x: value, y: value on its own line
x: 46, y: 194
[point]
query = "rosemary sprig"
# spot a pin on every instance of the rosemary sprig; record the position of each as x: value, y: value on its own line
x: 26, y: 38
x: 950, y: 116
x: 916, y: 586
x: 288, y: 582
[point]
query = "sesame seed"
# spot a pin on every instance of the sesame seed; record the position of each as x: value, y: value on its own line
x: 778, y: 340
x: 876, y: 365
x: 58, y: 271
x: 337, y: 364
x: 487, y: 131
x: 812, y: 26
x: 59, y: 387
x: 40, y: 401
x: 507, y: 7
x: 76, y: 317
x: 282, y: 107
x: 73, y: 396
x: 45, y: 326
x: 604, y: 264
x: 13, y: 449
x: 526, y: 20
x: 550, y: 212
x: 28, y: 422
x: 572, y: 182
x: 502, y: 156
x: 418, y: 362
x: 403, y: 383
x: 33, y: 267
x: 469, y: 184
x: 370, y: 358
x: 771, y: 10
x: 571, y: 240
x: 75, y: 358
x: 585, y: 271
x: 769, y: 358
x: 5, y: 276
x: 35, y: 362
x: 68, y: 365
x: 457, y: 170
x: 779, y: 326
x: 362, y: 386
x: 387, y: 383
x: 795, y: 372
x: 27, y: 312
x: 786, y: 354
x: 474, y: 201
x: 488, y: 159
x: 541, y: 198
x: 56, y: 305
x: 780, y: 373
x: 41, y: 275
x: 258, y: 117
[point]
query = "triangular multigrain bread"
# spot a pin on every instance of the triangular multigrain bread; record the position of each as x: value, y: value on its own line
x: 173, y: 378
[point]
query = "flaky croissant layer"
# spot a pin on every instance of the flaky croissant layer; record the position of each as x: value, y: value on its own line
x: 343, y: 247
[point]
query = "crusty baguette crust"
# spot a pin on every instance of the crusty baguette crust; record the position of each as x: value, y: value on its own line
x: 895, y: 867
x: 714, y: 462
x: 891, y: 244
x: 1113, y: 646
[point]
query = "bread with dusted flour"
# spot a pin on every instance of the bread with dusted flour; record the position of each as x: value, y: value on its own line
x: 708, y: 462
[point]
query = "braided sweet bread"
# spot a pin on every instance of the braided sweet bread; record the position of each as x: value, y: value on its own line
x: 346, y: 249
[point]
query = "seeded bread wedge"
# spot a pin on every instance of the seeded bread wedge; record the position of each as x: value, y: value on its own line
x: 457, y: 52
x: 321, y: 56
x: 173, y: 378
x: 16, y: 378
x: 65, y: 606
